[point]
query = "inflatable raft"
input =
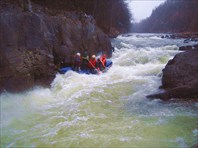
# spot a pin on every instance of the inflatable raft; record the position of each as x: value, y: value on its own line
x: 109, y: 63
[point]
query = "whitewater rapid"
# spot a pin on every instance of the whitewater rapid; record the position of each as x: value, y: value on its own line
x: 107, y: 110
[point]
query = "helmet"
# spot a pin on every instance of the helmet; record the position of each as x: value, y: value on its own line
x: 78, y: 54
x: 93, y: 56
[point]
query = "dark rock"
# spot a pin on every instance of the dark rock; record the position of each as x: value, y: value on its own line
x: 186, y: 41
x: 172, y: 36
x: 181, y: 70
x: 112, y: 16
x: 183, y: 48
x: 194, y: 145
x: 180, y: 77
x: 190, y: 40
x: 33, y: 45
x: 189, y: 47
x: 195, y: 47
x: 178, y: 92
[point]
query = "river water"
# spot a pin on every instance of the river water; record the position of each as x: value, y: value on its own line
x: 107, y: 110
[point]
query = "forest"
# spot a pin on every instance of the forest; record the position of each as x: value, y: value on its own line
x: 173, y: 16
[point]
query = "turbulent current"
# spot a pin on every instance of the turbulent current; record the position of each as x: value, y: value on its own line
x: 107, y: 110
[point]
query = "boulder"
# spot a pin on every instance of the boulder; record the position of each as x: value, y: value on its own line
x: 184, y: 48
x: 188, y: 47
x: 180, y: 77
x: 181, y: 70
x: 188, y: 91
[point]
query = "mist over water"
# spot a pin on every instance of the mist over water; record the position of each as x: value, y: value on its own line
x: 104, y: 110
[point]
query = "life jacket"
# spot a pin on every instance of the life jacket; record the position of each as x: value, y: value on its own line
x: 77, y: 59
x: 92, y: 63
x: 102, y: 60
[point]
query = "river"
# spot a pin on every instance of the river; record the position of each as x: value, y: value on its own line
x: 107, y: 110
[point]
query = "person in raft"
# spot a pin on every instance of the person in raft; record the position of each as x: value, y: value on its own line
x: 102, y: 62
x: 77, y: 62
x: 92, y: 65
x: 85, y: 61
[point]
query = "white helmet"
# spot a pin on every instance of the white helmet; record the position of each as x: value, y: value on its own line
x: 93, y: 56
x: 78, y: 54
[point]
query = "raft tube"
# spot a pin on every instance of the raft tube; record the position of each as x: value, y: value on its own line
x: 63, y: 70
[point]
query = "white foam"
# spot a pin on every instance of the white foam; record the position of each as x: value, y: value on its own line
x: 181, y: 142
x: 135, y: 73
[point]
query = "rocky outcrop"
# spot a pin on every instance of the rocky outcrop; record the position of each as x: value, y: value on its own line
x: 33, y: 44
x: 180, y: 77
x: 188, y: 47
x: 112, y: 16
x: 189, y: 37
x: 181, y: 70
x: 181, y: 92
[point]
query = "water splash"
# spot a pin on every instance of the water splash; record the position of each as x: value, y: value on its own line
x: 106, y: 110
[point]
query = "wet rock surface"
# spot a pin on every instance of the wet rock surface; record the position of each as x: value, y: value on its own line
x: 180, y: 77
x: 111, y: 16
x: 187, y: 36
x: 189, y: 47
x: 34, y: 44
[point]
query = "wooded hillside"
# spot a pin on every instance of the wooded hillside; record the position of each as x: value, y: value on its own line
x: 171, y: 16
x: 112, y: 16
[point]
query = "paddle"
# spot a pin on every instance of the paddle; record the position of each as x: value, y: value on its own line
x: 102, y: 64
x: 98, y: 71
